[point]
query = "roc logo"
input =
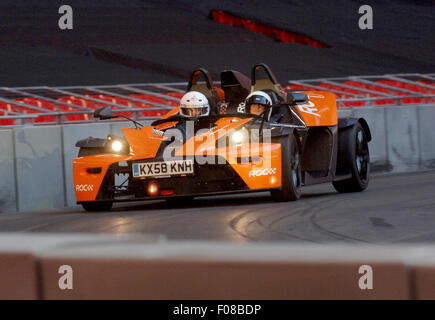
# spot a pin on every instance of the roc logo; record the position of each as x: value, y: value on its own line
x: 84, y: 187
x: 241, y: 108
x: 262, y: 172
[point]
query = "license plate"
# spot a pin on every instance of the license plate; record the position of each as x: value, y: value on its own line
x: 165, y: 168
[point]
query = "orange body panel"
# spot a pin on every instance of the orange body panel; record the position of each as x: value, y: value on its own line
x: 263, y: 174
x: 144, y: 142
x: 171, y: 113
x: 320, y: 110
x: 86, y: 185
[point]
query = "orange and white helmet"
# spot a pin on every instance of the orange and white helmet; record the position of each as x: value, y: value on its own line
x: 194, y: 104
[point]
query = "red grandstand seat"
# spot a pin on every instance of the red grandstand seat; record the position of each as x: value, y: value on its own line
x: 373, y: 88
x: 417, y: 89
x: 7, y: 107
x: 147, y: 97
x: 427, y: 82
x: 42, y: 104
x: 6, y: 122
x: 338, y: 88
x: 111, y: 99
x: 74, y: 101
x: 177, y: 95
x: 151, y: 113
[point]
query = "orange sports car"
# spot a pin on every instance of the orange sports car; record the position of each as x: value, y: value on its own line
x: 221, y: 147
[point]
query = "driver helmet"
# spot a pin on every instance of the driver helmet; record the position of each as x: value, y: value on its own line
x: 257, y: 103
x: 194, y: 104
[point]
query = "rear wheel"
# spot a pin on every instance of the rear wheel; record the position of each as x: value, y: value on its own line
x: 97, y: 206
x: 354, y: 155
x: 290, y: 171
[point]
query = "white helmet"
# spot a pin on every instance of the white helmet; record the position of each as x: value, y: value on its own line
x: 258, y: 98
x: 194, y: 104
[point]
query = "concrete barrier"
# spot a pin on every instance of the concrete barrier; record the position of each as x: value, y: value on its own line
x: 20, y: 276
x: 40, y: 172
x: 149, y: 267
x: 402, y: 136
x: 18, y: 279
x: 115, y: 127
x: 426, y: 134
x: 423, y: 282
x: 8, y: 201
x: 195, y: 270
x: 185, y: 280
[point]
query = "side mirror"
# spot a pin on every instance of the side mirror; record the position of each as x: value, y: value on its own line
x: 295, y: 97
x: 104, y: 113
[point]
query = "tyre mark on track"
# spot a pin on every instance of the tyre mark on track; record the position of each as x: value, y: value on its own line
x: 234, y: 225
x: 288, y: 234
x: 333, y: 234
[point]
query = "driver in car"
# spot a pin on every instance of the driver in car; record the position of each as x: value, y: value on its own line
x: 257, y: 103
x: 194, y: 104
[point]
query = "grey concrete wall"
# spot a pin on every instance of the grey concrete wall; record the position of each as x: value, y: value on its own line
x: 40, y: 172
x: 426, y: 134
x: 402, y: 135
x: 36, y: 162
x: 8, y: 199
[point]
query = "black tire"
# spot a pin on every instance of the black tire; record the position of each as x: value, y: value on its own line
x: 354, y: 156
x: 291, y: 170
x: 95, y: 206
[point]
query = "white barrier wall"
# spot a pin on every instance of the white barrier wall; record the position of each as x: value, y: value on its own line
x: 426, y: 134
x: 39, y: 168
x: 402, y: 137
x: 8, y: 201
x: 36, y: 162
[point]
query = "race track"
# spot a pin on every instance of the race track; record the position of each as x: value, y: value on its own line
x: 395, y: 208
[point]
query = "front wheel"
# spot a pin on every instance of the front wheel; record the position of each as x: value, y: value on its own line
x: 354, y: 155
x: 96, y: 206
x: 290, y: 171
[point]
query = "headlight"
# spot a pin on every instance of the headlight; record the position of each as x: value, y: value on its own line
x: 237, y: 137
x: 117, y: 145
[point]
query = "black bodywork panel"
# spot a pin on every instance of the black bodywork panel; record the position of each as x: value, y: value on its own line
x: 350, y: 121
x: 91, y: 142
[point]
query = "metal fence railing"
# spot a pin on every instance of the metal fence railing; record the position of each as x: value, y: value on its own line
x: 146, y: 101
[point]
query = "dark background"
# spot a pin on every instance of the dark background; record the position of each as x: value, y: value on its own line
x: 161, y: 41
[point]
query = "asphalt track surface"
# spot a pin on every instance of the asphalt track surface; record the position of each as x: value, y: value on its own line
x: 394, y: 209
